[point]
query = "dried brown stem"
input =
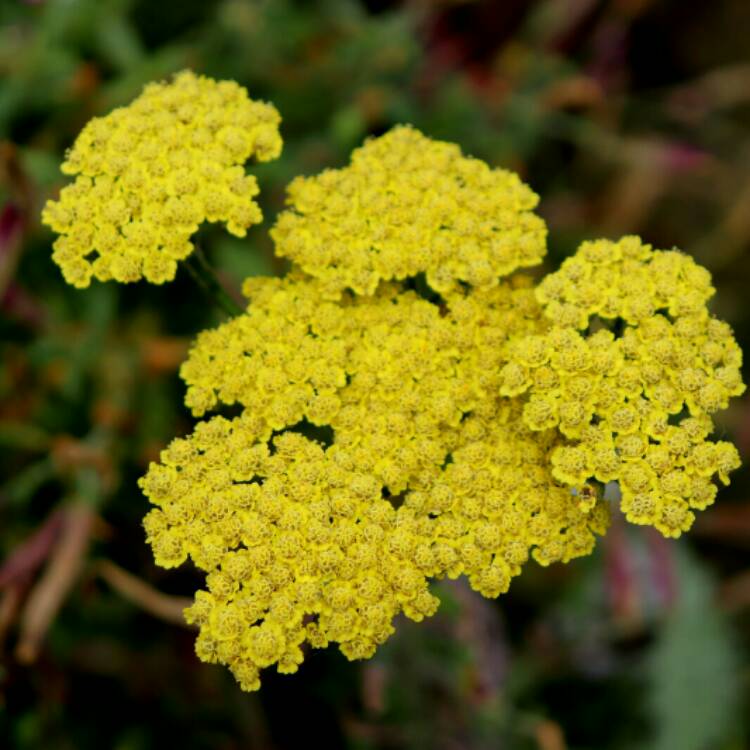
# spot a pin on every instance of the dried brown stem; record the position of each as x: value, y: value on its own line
x: 163, y: 606
x: 62, y: 570
x: 31, y: 553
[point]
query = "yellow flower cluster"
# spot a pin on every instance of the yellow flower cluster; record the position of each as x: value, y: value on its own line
x: 629, y: 375
x: 298, y: 543
x: 387, y: 437
x: 301, y: 548
x: 496, y: 503
x: 420, y: 438
x: 408, y: 205
x: 150, y: 173
x: 388, y: 373
x: 282, y: 358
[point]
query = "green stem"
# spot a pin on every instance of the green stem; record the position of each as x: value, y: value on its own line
x: 202, y: 273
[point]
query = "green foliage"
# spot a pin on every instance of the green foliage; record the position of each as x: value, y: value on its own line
x: 693, y: 668
x: 626, y: 117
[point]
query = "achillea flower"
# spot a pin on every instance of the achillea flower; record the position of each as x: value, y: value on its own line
x: 497, y: 503
x: 468, y: 428
x: 298, y: 543
x: 147, y: 176
x: 407, y: 205
x: 390, y: 374
x: 410, y: 394
x: 634, y: 407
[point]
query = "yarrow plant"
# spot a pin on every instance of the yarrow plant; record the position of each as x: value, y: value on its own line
x: 147, y: 176
x: 471, y: 419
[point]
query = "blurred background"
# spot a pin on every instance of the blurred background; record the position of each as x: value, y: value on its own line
x: 626, y: 116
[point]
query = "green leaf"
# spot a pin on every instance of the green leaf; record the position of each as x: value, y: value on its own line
x: 240, y: 259
x: 118, y: 43
x: 693, y: 668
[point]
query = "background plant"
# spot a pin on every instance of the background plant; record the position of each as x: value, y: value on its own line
x: 624, y: 116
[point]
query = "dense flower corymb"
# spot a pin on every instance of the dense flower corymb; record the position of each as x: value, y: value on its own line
x: 147, y: 175
x: 634, y: 403
x: 410, y: 393
x: 408, y: 406
x: 299, y: 545
x: 390, y: 374
x: 406, y: 205
x: 478, y: 427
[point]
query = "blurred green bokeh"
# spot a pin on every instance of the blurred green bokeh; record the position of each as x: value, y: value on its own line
x: 626, y: 116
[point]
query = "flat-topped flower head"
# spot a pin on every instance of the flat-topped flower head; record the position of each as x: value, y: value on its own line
x: 626, y: 279
x: 390, y: 374
x: 421, y: 442
x: 298, y: 544
x: 148, y: 174
x: 406, y: 205
x: 496, y: 504
x: 302, y: 545
x: 390, y: 432
x: 634, y: 403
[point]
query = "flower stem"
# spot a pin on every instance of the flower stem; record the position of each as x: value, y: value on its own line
x: 205, y: 276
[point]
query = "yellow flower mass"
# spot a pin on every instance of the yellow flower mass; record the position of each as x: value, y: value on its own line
x: 298, y: 544
x: 408, y: 406
x: 147, y: 176
x: 406, y: 205
x: 634, y: 407
x: 466, y: 434
x: 430, y: 472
